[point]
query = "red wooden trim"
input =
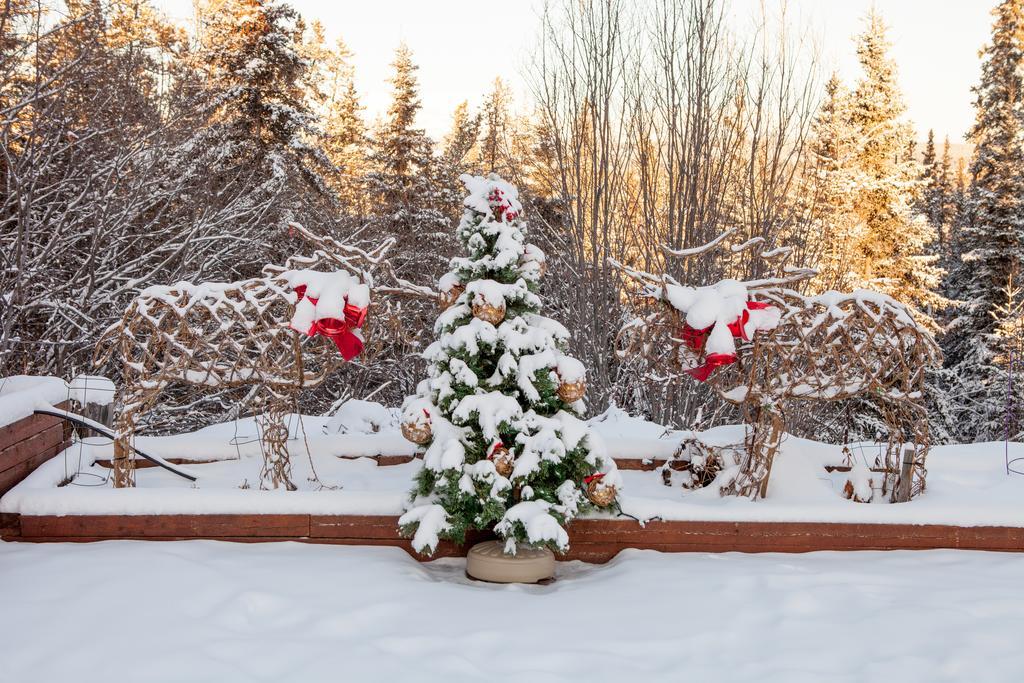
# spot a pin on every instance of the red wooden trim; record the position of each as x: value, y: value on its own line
x: 17, y: 453
x: 10, y: 477
x: 142, y: 463
x: 594, y: 540
x: 165, y: 526
x: 637, y: 464
x: 28, y: 426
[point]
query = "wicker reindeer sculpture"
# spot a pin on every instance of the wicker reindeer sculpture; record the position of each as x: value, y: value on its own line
x: 761, y: 346
x: 260, y: 333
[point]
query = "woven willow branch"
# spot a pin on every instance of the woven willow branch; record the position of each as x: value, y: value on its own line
x: 831, y: 347
x: 215, y: 336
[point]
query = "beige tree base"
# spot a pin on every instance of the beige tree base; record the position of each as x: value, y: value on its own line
x: 487, y: 561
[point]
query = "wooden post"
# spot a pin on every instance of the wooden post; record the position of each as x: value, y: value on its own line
x: 94, y: 399
x: 906, y: 482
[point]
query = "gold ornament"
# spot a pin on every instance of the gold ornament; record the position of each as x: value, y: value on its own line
x: 600, y: 494
x: 418, y: 431
x: 488, y: 313
x: 502, y: 459
x: 570, y: 392
x: 447, y: 299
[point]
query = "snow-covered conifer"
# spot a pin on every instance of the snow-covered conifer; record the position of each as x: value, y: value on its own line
x: 989, y: 240
x: 890, y: 254
x: 506, y: 449
x: 403, y: 197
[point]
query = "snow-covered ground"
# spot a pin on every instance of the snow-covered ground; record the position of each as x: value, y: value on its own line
x: 967, y: 484
x: 206, y: 611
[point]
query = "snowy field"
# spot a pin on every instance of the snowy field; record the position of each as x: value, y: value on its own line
x: 206, y: 611
x: 967, y: 484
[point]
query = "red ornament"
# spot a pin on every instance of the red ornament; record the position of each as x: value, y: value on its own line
x: 337, y: 330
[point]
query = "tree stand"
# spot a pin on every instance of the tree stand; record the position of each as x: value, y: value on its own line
x: 487, y: 561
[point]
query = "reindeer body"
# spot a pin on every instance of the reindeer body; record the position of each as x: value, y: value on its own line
x: 830, y: 347
x: 216, y: 336
x: 834, y: 347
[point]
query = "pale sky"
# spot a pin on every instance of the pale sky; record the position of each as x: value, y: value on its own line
x: 462, y: 45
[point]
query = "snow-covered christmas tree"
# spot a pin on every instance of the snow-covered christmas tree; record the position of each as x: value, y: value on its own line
x: 499, y: 413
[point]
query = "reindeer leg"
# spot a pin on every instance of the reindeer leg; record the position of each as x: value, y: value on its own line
x: 771, y: 446
x: 277, y: 468
x: 123, y: 463
x: 763, y: 441
x: 135, y: 398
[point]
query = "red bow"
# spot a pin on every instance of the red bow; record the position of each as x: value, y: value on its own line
x: 338, y: 330
x: 598, y: 476
x: 695, y: 340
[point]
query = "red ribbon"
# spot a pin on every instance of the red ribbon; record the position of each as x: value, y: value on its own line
x: 338, y: 330
x: 695, y: 340
x: 598, y: 476
x: 494, y: 447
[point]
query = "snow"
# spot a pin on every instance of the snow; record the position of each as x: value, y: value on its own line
x: 210, y: 612
x: 431, y: 520
x: 91, y: 389
x: 717, y: 306
x: 22, y: 394
x: 480, y: 189
x: 489, y: 410
x: 967, y: 484
x: 535, y: 517
x: 362, y: 417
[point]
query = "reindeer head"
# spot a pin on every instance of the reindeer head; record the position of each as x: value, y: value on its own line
x: 702, y: 329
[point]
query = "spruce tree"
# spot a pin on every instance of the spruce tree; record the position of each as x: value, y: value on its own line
x: 496, y: 120
x: 837, y: 227
x: 891, y: 252
x: 461, y: 142
x: 251, y: 52
x: 506, y: 448
x: 991, y: 238
x: 403, y: 189
x: 344, y: 140
x: 936, y: 197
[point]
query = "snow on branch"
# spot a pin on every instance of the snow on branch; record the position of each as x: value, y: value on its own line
x: 704, y: 248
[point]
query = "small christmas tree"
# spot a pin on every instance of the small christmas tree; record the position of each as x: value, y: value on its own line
x: 505, y: 448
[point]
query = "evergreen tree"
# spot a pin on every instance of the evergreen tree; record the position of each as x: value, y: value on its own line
x: 404, y: 192
x: 944, y: 182
x: 837, y: 228
x: 494, y: 147
x: 890, y: 254
x: 344, y: 139
x: 254, y: 69
x: 990, y: 240
x: 506, y: 448
x: 248, y: 139
x: 936, y: 197
x: 459, y: 155
x: 460, y: 145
